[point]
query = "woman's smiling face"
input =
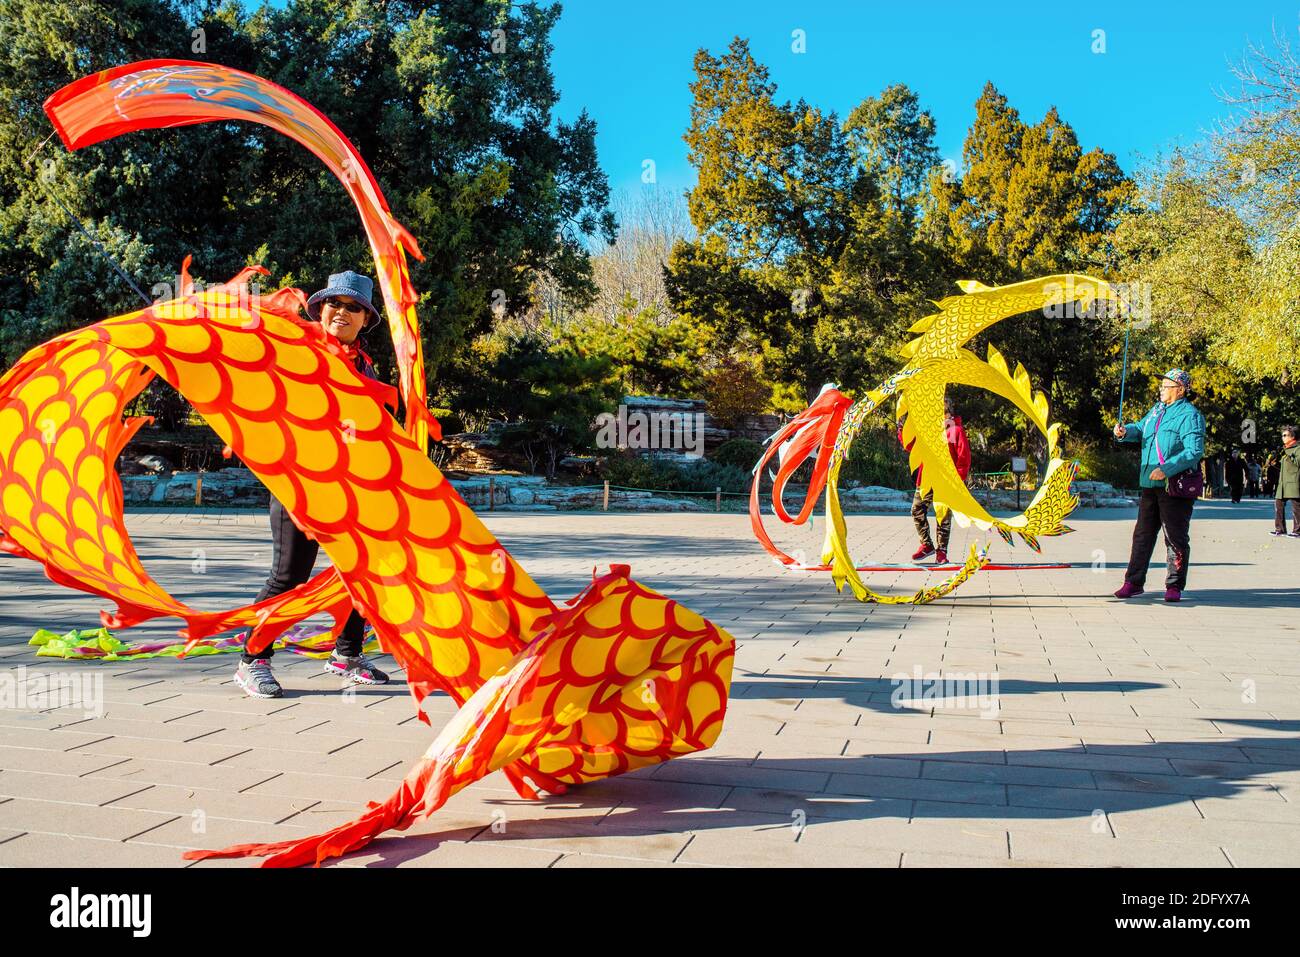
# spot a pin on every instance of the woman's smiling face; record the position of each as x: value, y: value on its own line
x: 343, y: 317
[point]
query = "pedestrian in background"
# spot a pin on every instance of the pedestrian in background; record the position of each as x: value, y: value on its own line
x: 1253, y: 472
x: 1288, y: 485
x: 959, y: 449
x: 1236, y: 474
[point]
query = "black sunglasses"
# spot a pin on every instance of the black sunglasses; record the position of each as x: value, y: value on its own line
x: 352, y: 307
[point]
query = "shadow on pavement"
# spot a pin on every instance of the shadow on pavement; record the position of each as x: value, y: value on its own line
x: 876, y: 693
x: 1000, y: 787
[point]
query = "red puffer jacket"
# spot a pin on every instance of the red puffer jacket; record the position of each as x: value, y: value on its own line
x: 958, y: 447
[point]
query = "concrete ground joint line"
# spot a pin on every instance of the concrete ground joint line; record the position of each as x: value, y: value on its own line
x: 161, y: 700
x: 147, y: 684
x: 298, y: 812
x: 371, y: 777
x: 200, y: 737
x: 86, y: 774
x: 123, y: 797
x: 678, y: 855
x: 213, y: 764
x: 344, y: 747
x: 70, y: 724
x: 153, y: 828
x: 277, y: 774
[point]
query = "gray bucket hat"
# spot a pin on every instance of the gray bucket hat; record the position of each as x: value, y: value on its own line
x: 346, y: 283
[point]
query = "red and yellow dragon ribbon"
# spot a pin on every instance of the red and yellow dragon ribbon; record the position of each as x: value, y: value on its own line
x: 616, y: 679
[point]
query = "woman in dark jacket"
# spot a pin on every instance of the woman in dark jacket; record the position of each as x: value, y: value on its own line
x: 1236, y: 472
x: 1173, y: 442
x: 343, y: 309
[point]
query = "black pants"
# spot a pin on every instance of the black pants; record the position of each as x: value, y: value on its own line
x: 292, y: 556
x: 1236, y: 490
x: 1279, y: 514
x: 1157, y: 510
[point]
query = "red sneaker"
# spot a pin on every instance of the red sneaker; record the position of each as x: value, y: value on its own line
x: 1127, y: 590
x: 941, y: 557
x: 925, y: 551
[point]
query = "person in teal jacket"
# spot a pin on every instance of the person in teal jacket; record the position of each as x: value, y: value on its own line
x: 1174, y: 430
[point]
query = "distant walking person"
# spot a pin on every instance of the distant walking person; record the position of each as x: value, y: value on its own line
x: 1213, y: 474
x: 1173, y: 441
x: 959, y: 448
x: 1288, y: 484
x: 1236, y: 472
x: 1253, y: 473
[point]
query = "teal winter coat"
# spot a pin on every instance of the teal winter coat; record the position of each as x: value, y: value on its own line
x: 1182, y: 439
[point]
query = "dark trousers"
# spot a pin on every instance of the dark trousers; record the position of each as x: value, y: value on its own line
x: 292, y: 556
x: 1157, y: 510
x: 1279, y: 514
x: 1236, y: 490
x: 921, y: 519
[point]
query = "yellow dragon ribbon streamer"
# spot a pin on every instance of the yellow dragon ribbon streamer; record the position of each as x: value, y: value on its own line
x: 938, y: 358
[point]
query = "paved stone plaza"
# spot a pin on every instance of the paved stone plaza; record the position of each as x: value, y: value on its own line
x: 1135, y: 734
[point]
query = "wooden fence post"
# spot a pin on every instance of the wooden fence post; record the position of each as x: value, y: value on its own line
x: 717, y: 503
x: 198, y: 489
x: 492, y: 493
x: 605, y: 506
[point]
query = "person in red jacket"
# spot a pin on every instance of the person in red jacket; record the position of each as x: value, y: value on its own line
x: 959, y: 448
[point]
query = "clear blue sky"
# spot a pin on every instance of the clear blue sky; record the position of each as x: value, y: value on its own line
x: 629, y: 63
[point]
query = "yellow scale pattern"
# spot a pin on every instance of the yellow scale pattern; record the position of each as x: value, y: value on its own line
x: 937, y: 358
